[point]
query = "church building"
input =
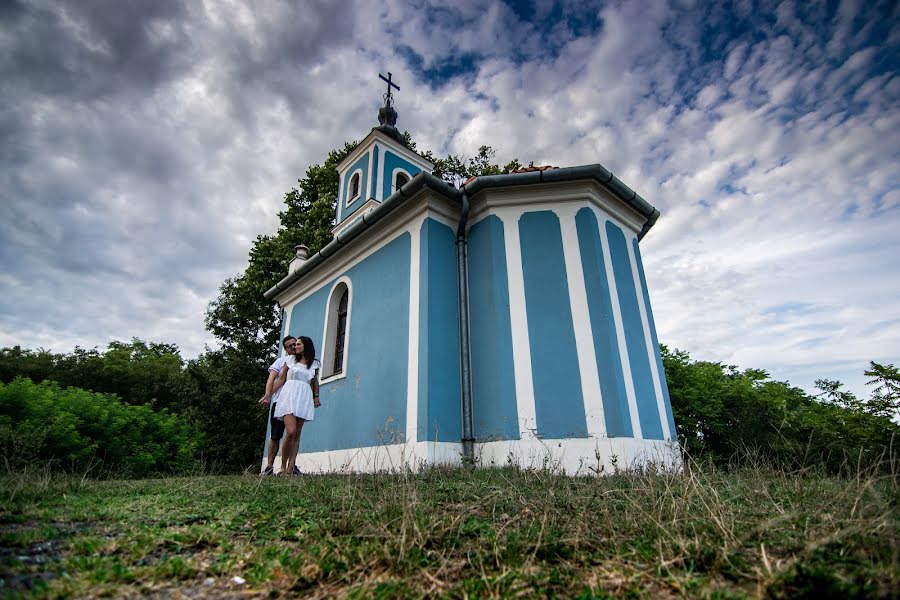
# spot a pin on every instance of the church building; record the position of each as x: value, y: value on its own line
x: 506, y: 321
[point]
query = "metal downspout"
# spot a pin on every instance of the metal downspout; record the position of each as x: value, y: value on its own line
x: 465, y: 362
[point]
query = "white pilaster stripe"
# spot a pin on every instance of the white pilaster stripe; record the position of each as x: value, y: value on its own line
x: 518, y: 321
x: 287, y: 327
x: 380, y: 189
x: 340, y: 198
x: 620, y: 329
x: 581, y: 322
x: 651, y: 354
x: 412, y: 375
x: 370, y: 184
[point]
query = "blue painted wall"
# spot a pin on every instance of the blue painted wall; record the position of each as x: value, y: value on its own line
x: 394, y: 161
x: 603, y: 325
x: 439, y: 417
x: 638, y: 357
x: 368, y: 406
x: 495, y: 414
x: 343, y: 210
x: 558, y: 401
x: 658, y: 356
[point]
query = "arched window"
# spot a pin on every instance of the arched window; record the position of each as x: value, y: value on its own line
x: 354, y: 187
x: 337, y: 330
x: 402, y: 179
x: 340, y: 336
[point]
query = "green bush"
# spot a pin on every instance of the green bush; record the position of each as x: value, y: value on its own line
x: 77, y: 430
x: 216, y: 392
x: 726, y: 415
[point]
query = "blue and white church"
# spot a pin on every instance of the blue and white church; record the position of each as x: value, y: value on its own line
x: 506, y: 321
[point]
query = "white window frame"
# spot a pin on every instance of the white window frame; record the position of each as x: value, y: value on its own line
x: 350, y: 188
x: 329, y: 332
x: 394, y: 174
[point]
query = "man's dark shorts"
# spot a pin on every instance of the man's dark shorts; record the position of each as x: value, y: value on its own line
x: 277, y: 424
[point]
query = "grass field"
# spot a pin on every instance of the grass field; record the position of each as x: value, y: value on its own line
x: 749, y: 532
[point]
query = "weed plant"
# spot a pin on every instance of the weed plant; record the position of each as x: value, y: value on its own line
x: 705, y: 531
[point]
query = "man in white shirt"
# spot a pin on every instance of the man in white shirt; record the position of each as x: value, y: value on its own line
x: 271, y: 399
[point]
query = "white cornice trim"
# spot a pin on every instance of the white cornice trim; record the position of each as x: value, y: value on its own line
x: 547, y: 196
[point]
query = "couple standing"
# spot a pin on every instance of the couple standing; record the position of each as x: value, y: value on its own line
x: 293, y: 391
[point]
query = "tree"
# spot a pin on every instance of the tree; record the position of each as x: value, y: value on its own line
x: 455, y: 170
x: 885, y: 400
x: 220, y: 401
x: 36, y: 365
x: 832, y: 393
x: 138, y: 372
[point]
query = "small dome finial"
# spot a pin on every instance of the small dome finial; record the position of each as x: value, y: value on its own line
x: 386, y: 114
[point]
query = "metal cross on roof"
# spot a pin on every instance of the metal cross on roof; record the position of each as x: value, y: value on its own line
x: 390, y: 84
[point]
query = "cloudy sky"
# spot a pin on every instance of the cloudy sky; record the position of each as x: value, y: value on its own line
x: 145, y: 144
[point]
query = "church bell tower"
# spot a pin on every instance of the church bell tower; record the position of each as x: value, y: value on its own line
x: 377, y: 167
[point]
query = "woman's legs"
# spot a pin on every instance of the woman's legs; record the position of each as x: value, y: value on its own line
x: 295, y: 444
x: 291, y: 432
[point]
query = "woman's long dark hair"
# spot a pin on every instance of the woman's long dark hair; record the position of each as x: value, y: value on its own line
x: 309, y: 351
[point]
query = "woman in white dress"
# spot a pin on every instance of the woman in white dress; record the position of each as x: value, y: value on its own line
x: 298, y: 386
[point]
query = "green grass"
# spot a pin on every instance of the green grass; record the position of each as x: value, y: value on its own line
x: 749, y: 532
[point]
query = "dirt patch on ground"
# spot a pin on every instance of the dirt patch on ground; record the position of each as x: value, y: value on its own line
x: 30, y: 565
x: 27, y: 567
